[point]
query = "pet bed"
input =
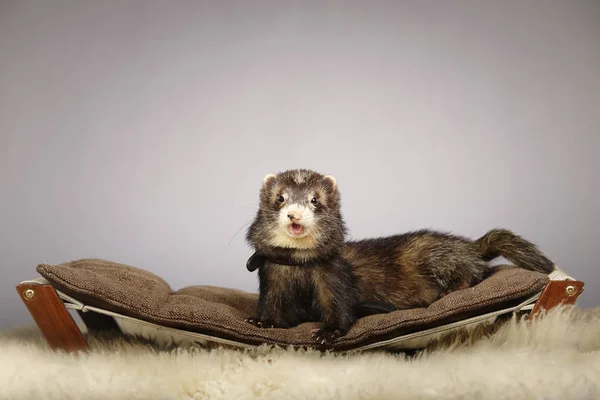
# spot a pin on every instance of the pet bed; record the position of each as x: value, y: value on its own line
x: 110, y: 295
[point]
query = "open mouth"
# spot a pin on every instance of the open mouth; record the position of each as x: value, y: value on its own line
x: 296, y: 229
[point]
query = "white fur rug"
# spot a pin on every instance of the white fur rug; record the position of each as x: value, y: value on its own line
x: 557, y: 357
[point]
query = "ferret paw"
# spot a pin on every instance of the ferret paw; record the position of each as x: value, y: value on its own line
x: 326, y: 336
x: 258, y: 323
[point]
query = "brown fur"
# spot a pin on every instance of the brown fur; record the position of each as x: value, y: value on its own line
x: 321, y: 291
x: 414, y: 269
x: 403, y: 271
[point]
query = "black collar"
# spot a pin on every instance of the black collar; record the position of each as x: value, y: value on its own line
x: 257, y: 260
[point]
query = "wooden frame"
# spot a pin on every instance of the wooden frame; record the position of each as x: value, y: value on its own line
x: 556, y: 293
x: 62, y: 333
x: 52, y: 317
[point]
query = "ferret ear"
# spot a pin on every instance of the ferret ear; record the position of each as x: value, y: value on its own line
x: 331, y: 180
x: 268, y: 178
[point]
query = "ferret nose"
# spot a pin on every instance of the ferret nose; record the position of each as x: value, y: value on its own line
x: 293, y: 216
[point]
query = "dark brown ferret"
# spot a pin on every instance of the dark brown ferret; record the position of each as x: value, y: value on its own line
x: 309, y: 272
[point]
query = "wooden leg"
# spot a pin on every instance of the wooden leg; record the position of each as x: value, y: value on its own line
x: 557, y: 293
x: 52, y: 318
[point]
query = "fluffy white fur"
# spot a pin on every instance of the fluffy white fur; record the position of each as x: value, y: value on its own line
x: 557, y: 357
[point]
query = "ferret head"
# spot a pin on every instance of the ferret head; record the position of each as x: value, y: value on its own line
x: 299, y: 209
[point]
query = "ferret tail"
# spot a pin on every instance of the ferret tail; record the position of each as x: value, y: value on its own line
x: 521, y: 252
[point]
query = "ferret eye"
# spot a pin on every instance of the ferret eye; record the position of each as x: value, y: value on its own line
x: 314, y: 200
x: 281, y: 199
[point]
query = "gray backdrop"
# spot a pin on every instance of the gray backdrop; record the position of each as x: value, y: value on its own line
x: 140, y: 131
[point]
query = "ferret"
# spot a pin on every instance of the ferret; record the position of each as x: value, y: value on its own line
x: 309, y: 272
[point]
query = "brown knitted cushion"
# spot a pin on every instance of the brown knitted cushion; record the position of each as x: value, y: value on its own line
x: 219, y: 311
